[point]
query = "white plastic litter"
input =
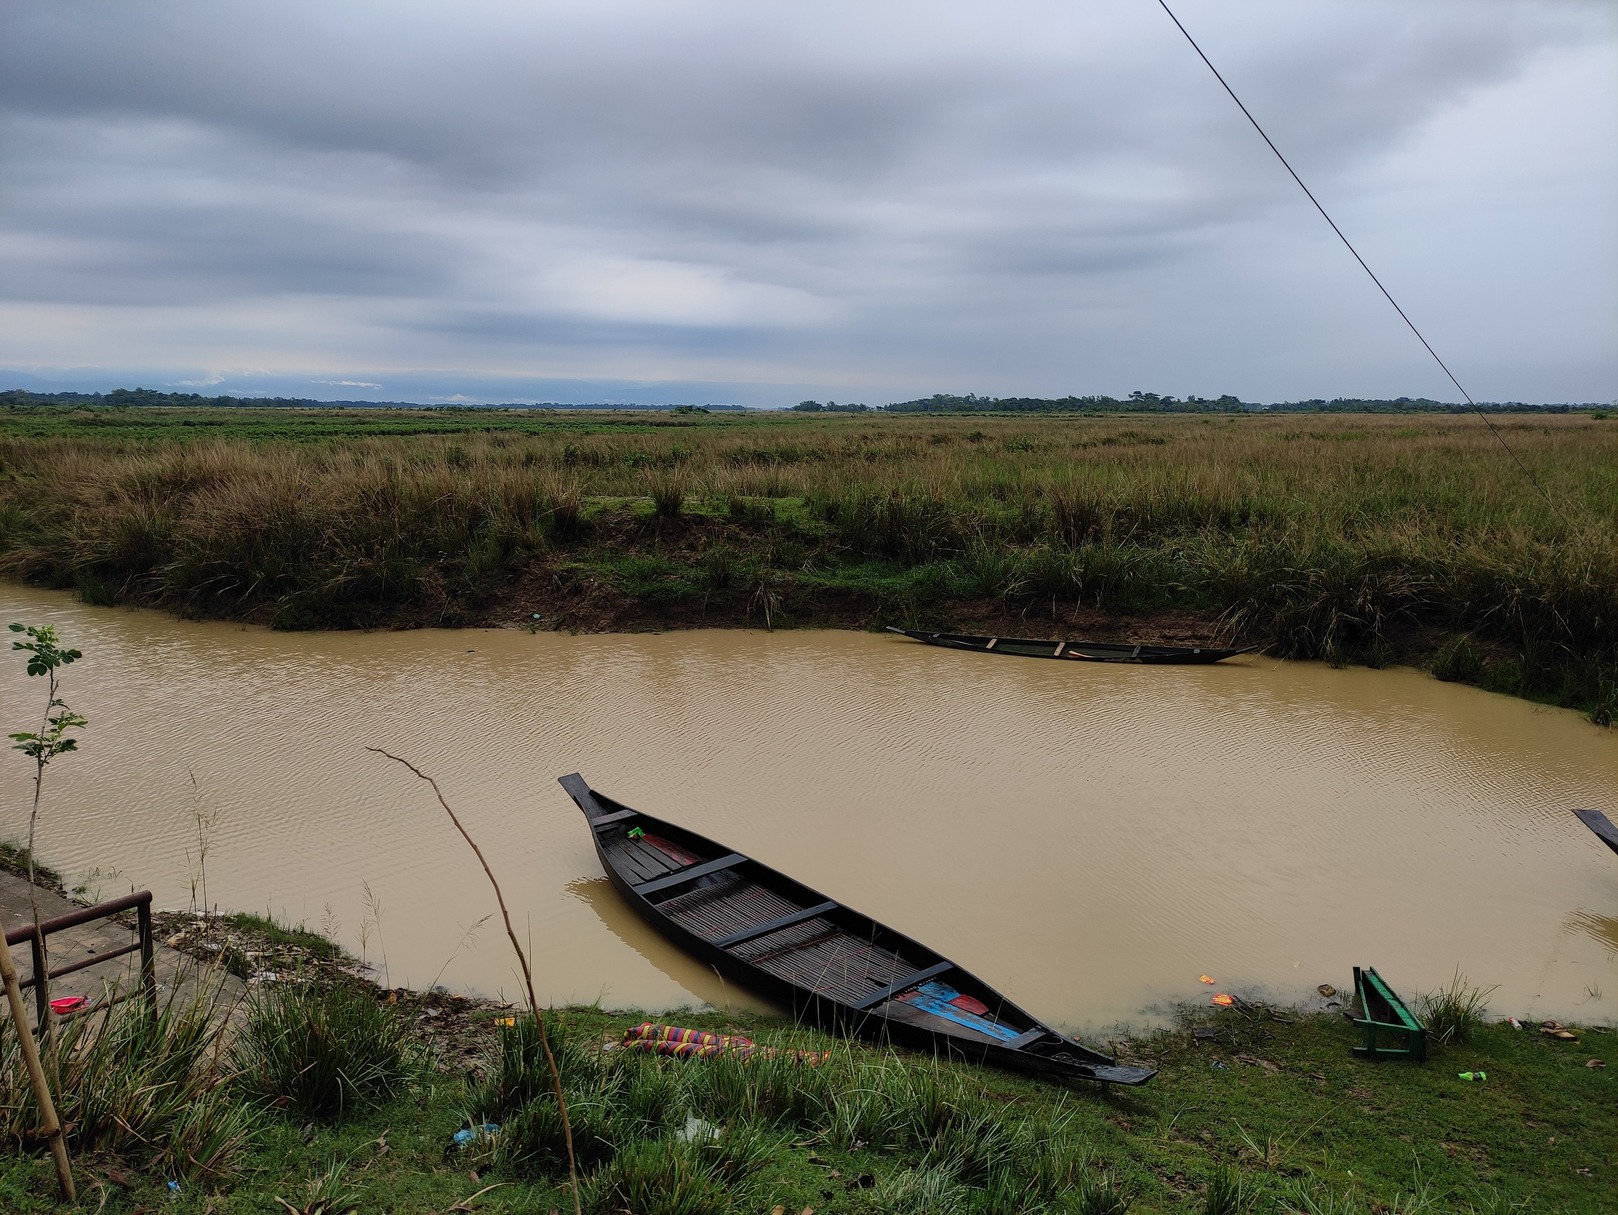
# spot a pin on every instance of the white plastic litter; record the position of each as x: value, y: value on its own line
x: 695, y: 1129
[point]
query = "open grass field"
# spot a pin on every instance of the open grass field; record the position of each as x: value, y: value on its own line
x: 1355, y: 538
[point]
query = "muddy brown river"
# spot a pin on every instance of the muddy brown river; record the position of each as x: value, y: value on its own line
x: 1088, y: 838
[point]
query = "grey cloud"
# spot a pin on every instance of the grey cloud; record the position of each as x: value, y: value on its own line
x: 770, y: 182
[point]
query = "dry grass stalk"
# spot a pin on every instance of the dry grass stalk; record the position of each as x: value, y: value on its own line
x: 522, y: 958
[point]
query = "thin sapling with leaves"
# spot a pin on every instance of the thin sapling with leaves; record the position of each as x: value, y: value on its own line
x: 45, y: 656
x: 54, y: 736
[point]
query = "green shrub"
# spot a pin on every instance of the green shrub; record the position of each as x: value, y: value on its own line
x: 661, y: 1177
x: 1100, y: 1196
x: 322, y: 1052
x: 919, y: 1192
x: 1454, y: 1013
x: 1227, y: 1194
x: 515, y: 1071
x: 533, y: 1143
x: 668, y: 497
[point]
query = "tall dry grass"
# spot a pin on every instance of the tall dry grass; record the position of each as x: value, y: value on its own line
x: 1323, y: 536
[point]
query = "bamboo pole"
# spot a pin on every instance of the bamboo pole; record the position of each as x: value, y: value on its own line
x: 50, y: 1125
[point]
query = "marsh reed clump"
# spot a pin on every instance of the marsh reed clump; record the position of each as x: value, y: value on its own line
x: 1455, y: 1012
x: 150, y: 1089
x: 1343, y: 537
x: 323, y: 1052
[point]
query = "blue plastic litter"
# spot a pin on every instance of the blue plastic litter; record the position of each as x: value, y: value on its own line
x: 467, y: 1134
x: 174, y: 1187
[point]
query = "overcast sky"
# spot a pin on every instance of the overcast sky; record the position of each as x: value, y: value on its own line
x: 757, y: 201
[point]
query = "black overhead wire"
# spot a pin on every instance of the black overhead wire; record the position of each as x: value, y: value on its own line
x: 1493, y: 429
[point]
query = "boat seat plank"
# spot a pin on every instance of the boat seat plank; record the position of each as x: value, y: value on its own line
x: 619, y: 816
x: 883, y: 994
x: 775, y: 925
x: 633, y: 867
x: 691, y: 873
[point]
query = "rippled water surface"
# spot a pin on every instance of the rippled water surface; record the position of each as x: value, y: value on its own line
x: 1088, y: 838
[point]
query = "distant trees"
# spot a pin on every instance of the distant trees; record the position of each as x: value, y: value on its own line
x: 124, y: 398
x: 1135, y: 402
x: 1141, y: 401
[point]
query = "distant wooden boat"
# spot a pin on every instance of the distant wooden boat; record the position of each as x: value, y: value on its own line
x: 830, y: 965
x: 1601, y: 825
x: 1078, y: 651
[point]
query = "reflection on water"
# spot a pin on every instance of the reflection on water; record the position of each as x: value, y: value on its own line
x: 1089, y: 839
x: 1603, y: 928
x: 704, y: 983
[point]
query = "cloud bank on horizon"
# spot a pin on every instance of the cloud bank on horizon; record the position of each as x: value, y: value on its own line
x: 753, y: 203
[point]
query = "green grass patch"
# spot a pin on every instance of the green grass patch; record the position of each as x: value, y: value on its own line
x: 266, y: 928
x: 14, y: 858
x: 1262, y: 1117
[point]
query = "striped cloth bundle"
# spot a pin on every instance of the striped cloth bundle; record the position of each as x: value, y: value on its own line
x: 681, y: 1043
x: 684, y: 1043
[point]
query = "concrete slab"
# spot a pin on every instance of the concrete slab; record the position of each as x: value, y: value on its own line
x: 176, y: 972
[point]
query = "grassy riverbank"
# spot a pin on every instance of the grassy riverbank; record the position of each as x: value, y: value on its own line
x: 1280, y: 1113
x: 1355, y: 538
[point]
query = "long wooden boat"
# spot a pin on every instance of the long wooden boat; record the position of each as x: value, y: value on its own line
x: 1601, y: 825
x: 830, y: 965
x: 1078, y: 651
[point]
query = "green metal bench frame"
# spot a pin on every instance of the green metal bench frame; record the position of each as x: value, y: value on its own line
x: 1381, y: 1010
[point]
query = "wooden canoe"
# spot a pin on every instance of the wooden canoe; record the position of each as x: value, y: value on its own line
x: 1601, y: 825
x: 829, y: 965
x: 1078, y: 651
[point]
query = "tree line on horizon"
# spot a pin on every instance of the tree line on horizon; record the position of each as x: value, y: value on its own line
x: 123, y: 398
x: 1135, y: 402
x: 1152, y: 402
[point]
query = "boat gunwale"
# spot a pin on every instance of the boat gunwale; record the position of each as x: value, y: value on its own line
x: 1077, y: 651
